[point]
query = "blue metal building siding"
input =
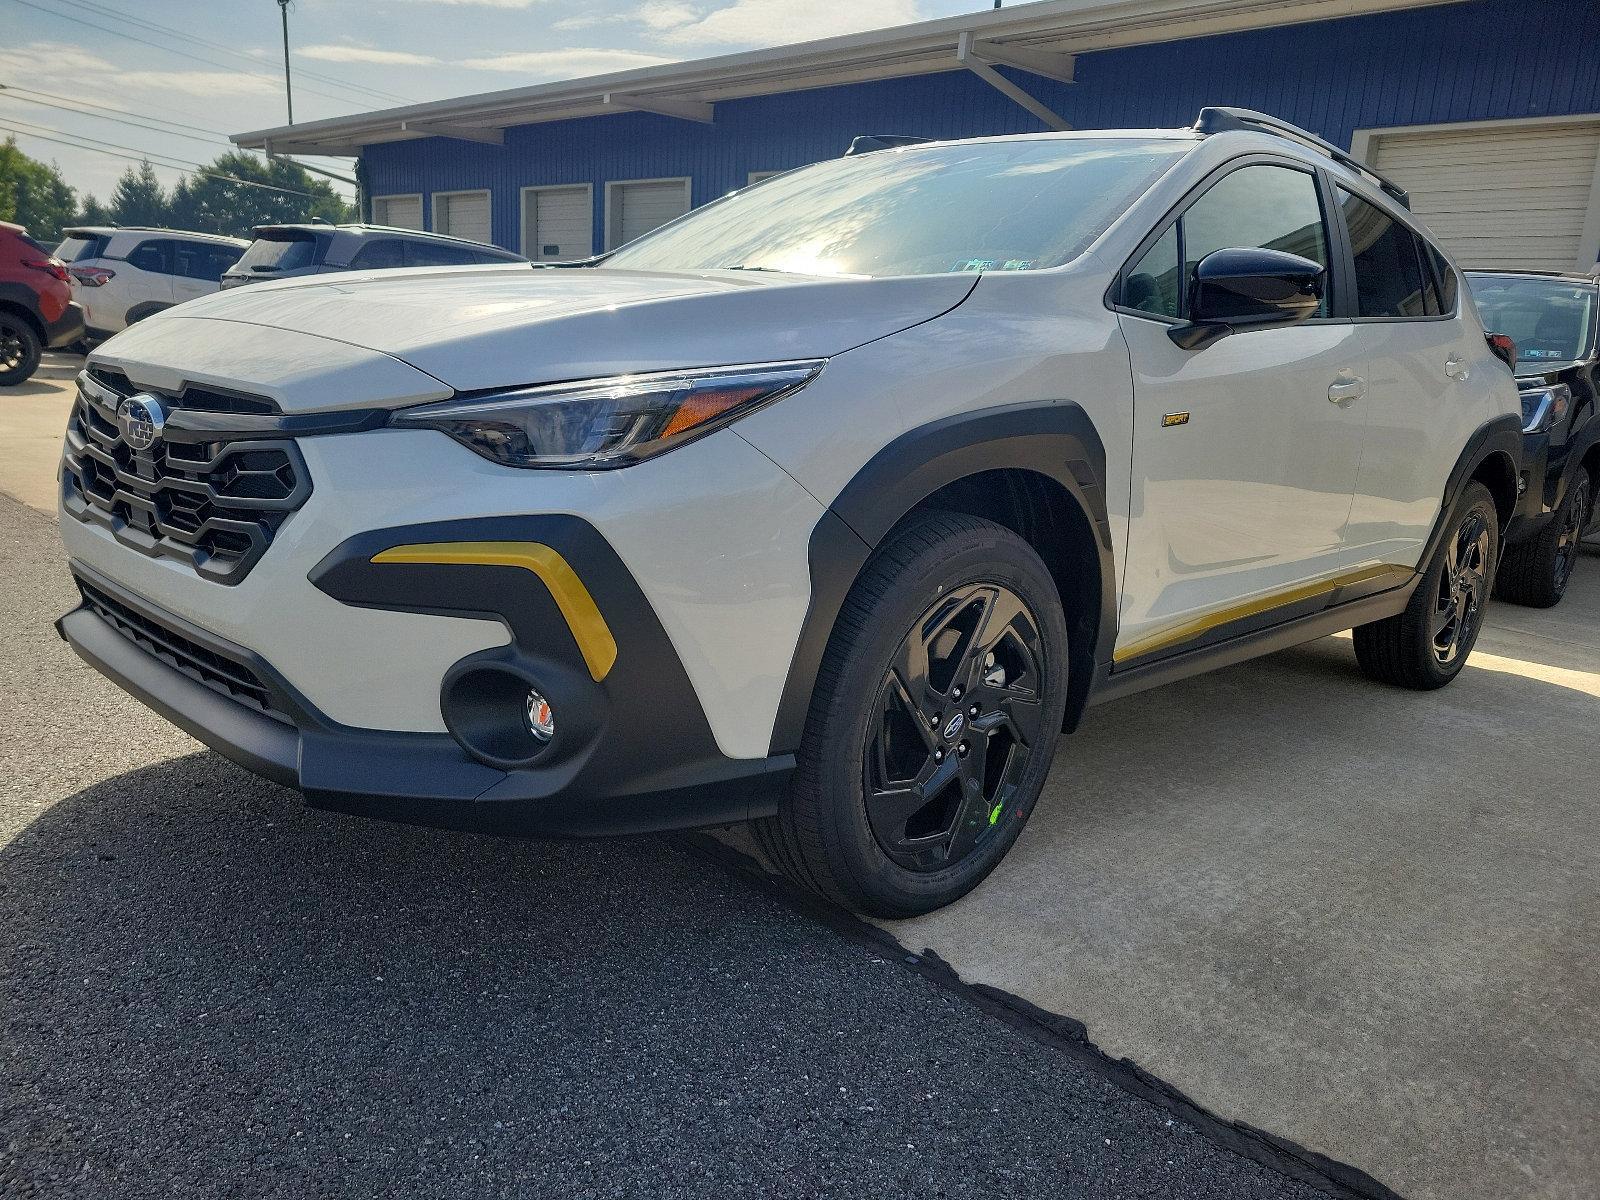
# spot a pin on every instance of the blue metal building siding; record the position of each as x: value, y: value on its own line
x: 1466, y: 61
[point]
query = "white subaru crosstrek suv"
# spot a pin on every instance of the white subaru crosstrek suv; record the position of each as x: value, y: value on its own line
x: 828, y: 506
x: 123, y: 275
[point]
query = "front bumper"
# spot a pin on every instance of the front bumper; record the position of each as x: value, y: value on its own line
x: 617, y: 776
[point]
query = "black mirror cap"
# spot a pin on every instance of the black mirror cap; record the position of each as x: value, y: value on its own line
x: 1247, y: 285
x: 1246, y: 288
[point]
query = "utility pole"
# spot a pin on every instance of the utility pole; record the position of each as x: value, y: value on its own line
x: 288, y: 88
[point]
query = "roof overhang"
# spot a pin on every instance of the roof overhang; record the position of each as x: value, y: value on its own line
x: 1039, y: 37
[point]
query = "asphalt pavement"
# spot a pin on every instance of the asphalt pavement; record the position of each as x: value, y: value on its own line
x: 207, y: 990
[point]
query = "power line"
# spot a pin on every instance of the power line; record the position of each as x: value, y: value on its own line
x: 135, y: 155
x: 169, y: 49
x: 27, y: 92
x: 156, y: 27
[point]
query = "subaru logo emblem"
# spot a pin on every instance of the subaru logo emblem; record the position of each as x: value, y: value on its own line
x: 954, y: 727
x: 141, y: 417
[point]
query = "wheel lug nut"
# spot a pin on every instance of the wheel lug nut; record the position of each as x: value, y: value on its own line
x: 933, y: 721
x: 961, y: 750
x: 956, y: 694
x: 973, y: 711
x: 938, y: 756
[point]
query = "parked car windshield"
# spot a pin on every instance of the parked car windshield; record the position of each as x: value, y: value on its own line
x: 278, y: 254
x: 1013, y: 205
x: 1551, y: 320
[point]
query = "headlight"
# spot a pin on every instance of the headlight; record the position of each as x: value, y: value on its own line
x: 613, y: 422
x: 1542, y: 407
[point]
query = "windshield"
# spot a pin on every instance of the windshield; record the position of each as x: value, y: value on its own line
x: 278, y: 254
x: 1014, y: 205
x: 1551, y: 320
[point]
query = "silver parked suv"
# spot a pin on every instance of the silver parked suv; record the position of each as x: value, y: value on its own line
x: 289, y: 251
x: 826, y: 506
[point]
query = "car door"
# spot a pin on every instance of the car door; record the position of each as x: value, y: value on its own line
x: 198, y: 268
x: 1417, y: 358
x: 1242, y: 469
x: 143, y: 284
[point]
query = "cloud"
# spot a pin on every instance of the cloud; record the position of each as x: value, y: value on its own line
x: 367, y: 54
x: 566, y: 64
x: 775, y: 22
x: 482, y: 3
x: 75, y: 63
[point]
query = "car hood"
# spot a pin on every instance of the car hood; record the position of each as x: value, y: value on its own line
x: 489, y: 327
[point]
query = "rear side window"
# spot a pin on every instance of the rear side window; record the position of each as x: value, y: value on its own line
x: 80, y: 246
x: 378, y: 254
x: 1389, y: 271
x: 437, y: 254
x: 204, y: 260
x: 155, y: 256
x: 1449, y: 285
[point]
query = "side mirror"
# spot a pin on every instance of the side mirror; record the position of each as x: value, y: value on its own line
x: 1242, y: 288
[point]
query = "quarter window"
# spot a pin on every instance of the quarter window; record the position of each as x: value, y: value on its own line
x: 1264, y: 206
x: 1389, y: 272
x: 1448, y: 284
x: 1152, y: 285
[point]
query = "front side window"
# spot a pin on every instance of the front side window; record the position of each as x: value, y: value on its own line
x: 1389, y: 272
x: 1007, y: 205
x: 1152, y: 285
x: 1551, y: 320
x: 204, y: 260
x: 1261, y: 207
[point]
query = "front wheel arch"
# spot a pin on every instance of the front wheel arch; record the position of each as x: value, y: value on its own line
x: 995, y: 463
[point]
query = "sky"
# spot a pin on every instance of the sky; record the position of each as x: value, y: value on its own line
x: 173, y: 77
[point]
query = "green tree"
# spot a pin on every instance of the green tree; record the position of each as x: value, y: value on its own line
x: 33, y: 194
x: 139, y: 198
x: 273, y: 192
x: 92, y: 212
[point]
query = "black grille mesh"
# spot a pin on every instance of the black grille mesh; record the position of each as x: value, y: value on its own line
x: 212, y: 504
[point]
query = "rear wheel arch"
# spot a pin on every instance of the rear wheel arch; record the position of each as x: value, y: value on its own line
x: 12, y: 308
x: 1037, y: 469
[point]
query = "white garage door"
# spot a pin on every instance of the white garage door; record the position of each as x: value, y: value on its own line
x: 403, y: 212
x: 462, y: 215
x: 637, y: 208
x: 1500, y: 197
x: 557, y: 223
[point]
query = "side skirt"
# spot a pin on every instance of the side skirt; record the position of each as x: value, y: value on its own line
x: 1114, y: 684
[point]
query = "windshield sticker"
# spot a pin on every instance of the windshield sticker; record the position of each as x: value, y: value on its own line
x: 975, y: 264
x: 1018, y: 264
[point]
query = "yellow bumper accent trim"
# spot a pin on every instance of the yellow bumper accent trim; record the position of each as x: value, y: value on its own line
x: 589, y: 628
x: 1199, y: 626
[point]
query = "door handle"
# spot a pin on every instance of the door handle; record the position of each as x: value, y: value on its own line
x: 1347, y: 391
x: 1456, y: 369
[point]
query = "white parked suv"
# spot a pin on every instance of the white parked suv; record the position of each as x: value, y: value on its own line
x: 828, y: 506
x: 123, y: 275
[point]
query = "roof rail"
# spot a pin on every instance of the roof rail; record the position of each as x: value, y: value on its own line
x: 868, y: 142
x: 1221, y: 120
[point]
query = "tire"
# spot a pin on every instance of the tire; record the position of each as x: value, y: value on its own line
x: 1536, y: 572
x: 1447, y: 607
x: 895, y: 810
x: 19, y: 350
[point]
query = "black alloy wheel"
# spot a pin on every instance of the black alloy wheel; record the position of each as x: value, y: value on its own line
x: 19, y: 350
x: 1569, y: 535
x: 957, y: 717
x: 1463, y: 589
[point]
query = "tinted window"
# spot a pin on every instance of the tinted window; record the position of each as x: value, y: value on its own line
x: 153, y: 256
x: 438, y: 254
x: 381, y: 253
x: 1007, y: 205
x: 203, y: 260
x: 1273, y: 208
x: 80, y: 246
x: 1152, y: 284
x: 1449, y: 285
x: 1388, y: 269
x: 267, y: 255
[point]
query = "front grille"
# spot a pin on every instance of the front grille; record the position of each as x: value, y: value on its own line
x: 214, y: 504
x: 221, y: 674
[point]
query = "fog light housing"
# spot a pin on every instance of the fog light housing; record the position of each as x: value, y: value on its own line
x: 541, y: 717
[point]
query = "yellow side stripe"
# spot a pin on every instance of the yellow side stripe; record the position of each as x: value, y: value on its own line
x: 1198, y: 626
x: 589, y: 628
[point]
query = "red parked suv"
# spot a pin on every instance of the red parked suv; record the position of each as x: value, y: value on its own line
x: 36, y: 307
